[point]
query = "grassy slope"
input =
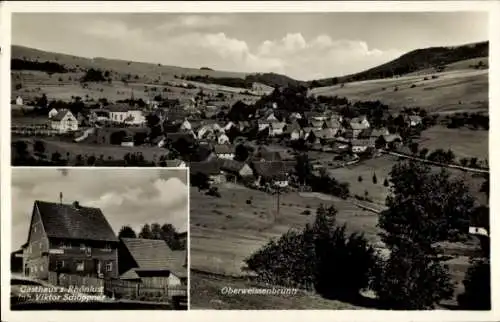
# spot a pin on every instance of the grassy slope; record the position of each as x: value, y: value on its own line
x: 465, y: 143
x: 120, y: 66
x: 225, y: 231
x: 36, y: 83
x: 206, y: 294
x: 459, y: 90
x: 419, y: 59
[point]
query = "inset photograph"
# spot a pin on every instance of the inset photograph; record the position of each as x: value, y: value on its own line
x: 99, y: 239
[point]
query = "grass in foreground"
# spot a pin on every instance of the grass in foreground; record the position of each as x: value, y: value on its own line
x: 206, y: 293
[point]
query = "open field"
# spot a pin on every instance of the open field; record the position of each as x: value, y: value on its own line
x: 66, y: 86
x: 224, y: 231
x: 465, y: 143
x: 457, y: 66
x: 380, y: 166
x: 206, y: 294
x: 458, y: 90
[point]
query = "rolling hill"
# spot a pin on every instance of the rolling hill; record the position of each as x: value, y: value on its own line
x: 435, y: 58
x: 149, y: 71
x: 428, y: 59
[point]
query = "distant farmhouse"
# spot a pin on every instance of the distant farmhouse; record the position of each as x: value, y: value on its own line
x: 63, y: 122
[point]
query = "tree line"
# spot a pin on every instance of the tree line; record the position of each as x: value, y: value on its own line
x: 166, y: 232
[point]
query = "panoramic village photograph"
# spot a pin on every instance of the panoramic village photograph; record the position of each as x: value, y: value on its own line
x: 337, y: 160
x: 103, y: 239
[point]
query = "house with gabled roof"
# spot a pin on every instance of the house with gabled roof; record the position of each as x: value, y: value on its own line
x: 235, y: 170
x: 325, y: 134
x: 69, y: 238
x: 294, y: 131
x: 64, y: 121
x: 356, y: 126
x: 276, y: 128
x: 152, y: 263
x: 122, y: 113
x: 413, y: 120
x: 317, y: 124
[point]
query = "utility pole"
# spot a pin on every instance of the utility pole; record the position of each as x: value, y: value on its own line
x: 278, y: 203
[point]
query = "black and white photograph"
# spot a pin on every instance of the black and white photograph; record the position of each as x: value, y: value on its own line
x: 103, y: 239
x: 328, y: 155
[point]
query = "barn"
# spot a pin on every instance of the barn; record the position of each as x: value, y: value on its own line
x: 152, y: 263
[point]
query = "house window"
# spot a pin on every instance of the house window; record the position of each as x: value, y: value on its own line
x: 34, y: 229
x: 64, y: 245
x: 59, y: 264
x: 107, y: 247
x: 109, y: 266
x: 83, y: 247
x: 80, y: 266
x: 41, y: 268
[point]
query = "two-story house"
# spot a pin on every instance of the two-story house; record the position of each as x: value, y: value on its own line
x: 69, y: 238
x: 64, y: 121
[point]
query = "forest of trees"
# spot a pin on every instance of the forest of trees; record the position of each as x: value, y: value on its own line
x: 48, y: 67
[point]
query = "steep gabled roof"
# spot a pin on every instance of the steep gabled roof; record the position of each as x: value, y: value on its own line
x: 60, y: 115
x: 231, y: 166
x: 74, y: 222
x: 153, y: 254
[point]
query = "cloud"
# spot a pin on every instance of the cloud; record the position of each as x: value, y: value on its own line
x: 185, y: 23
x: 126, y: 196
x: 293, y: 54
x: 212, y: 41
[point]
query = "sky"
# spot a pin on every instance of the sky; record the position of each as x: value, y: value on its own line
x: 126, y: 197
x: 304, y: 46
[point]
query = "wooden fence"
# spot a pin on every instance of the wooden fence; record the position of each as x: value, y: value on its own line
x: 121, y: 288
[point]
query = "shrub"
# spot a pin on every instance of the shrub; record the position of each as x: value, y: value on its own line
x: 386, y: 183
x: 309, y: 258
x: 477, y: 284
x: 374, y: 179
x: 360, y: 179
x: 407, y: 273
x: 306, y: 212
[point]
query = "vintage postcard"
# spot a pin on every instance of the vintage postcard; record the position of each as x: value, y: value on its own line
x: 335, y: 154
